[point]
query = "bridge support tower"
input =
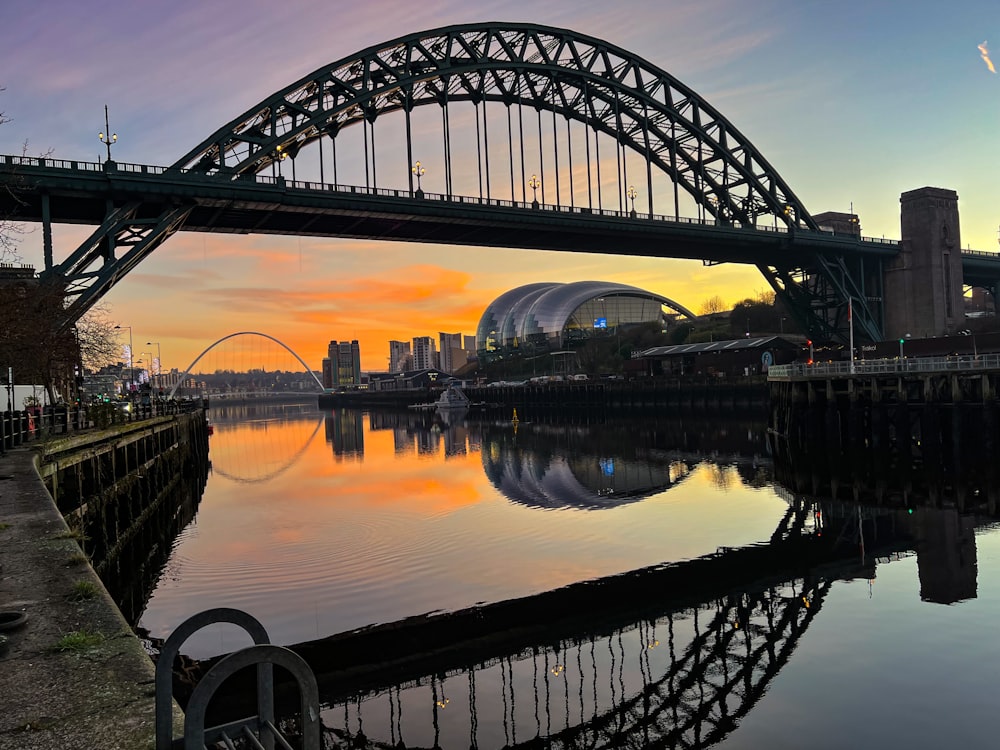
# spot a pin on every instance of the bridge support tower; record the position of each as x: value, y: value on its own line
x: 923, y: 284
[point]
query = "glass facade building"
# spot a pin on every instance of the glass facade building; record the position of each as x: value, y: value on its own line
x: 550, y: 316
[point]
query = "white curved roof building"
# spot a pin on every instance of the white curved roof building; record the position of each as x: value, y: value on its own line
x: 550, y: 315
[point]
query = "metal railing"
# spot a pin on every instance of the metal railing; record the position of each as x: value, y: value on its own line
x: 259, y: 730
x: 146, y: 169
x: 893, y: 366
x: 40, y: 423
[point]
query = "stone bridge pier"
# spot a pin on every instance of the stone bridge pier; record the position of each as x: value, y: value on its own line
x: 923, y: 284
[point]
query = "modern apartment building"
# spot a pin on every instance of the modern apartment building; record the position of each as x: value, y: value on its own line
x: 400, y: 359
x: 424, y: 353
x: 452, y: 354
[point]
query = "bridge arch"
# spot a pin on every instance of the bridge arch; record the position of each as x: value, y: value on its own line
x: 612, y: 91
x: 244, y: 333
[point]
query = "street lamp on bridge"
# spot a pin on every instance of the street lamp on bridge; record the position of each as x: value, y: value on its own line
x: 418, y: 172
x: 534, y: 183
x: 131, y: 372
x: 632, y: 195
x: 159, y: 362
x: 110, y: 138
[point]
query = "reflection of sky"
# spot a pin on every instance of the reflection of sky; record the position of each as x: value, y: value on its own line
x: 881, y: 656
x: 331, y: 545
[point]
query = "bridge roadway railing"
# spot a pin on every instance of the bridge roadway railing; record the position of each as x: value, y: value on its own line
x: 146, y: 169
x: 911, y: 365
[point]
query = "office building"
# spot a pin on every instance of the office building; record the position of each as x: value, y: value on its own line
x: 342, y: 366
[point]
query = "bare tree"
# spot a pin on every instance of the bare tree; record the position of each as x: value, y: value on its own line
x: 29, y: 343
x: 97, y: 338
x: 714, y: 304
x: 765, y: 297
x: 10, y: 230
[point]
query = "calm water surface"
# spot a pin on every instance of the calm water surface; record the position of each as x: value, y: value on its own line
x: 319, y: 523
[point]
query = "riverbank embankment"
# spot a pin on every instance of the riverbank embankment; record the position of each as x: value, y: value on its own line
x: 72, y: 673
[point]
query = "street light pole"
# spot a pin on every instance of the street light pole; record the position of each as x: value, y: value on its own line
x: 110, y: 138
x: 159, y: 362
x: 418, y: 171
x: 131, y: 371
x: 850, y: 325
x: 534, y: 184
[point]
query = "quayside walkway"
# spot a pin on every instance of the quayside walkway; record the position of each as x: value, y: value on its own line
x: 72, y: 674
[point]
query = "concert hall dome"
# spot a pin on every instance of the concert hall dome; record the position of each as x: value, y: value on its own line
x: 547, y: 316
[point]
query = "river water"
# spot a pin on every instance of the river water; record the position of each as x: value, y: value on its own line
x: 318, y: 523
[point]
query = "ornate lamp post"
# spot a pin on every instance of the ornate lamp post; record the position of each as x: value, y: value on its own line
x: 632, y: 194
x: 131, y: 372
x: 110, y: 138
x: 793, y: 217
x: 534, y: 183
x: 418, y: 172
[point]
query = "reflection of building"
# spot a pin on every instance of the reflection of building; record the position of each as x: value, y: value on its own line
x: 345, y: 432
x: 456, y: 438
x: 551, y: 316
x: 342, y: 365
x: 529, y: 472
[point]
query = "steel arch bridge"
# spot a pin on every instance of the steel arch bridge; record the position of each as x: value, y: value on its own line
x: 214, y: 344
x: 689, y: 156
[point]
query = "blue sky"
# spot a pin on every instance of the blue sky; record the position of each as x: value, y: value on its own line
x: 852, y: 103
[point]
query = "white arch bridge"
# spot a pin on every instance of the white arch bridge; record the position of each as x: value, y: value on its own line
x: 214, y: 344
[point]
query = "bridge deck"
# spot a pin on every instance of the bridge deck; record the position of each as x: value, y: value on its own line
x: 77, y: 193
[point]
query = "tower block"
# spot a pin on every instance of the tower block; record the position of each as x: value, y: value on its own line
x: 923, y: 284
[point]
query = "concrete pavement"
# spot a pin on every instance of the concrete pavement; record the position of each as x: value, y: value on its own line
x: 73, y: 676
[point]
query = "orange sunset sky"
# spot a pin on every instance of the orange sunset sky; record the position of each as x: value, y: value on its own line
x: 830, y: 94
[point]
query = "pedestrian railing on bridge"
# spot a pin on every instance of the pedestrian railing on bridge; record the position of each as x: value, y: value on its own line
x: 895, y: 365
x: 285, y: 183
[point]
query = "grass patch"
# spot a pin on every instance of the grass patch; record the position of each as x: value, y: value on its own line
x: 83, y: 590
x: 4, y: 526
x: 77, y: 560
x: 74, y: 534
x: 79, y: 640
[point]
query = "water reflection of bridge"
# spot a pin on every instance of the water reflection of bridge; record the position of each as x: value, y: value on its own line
x: 669, y: 655
x: 675, y: 654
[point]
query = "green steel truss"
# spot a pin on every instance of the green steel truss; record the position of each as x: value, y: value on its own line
x: 581, y: 78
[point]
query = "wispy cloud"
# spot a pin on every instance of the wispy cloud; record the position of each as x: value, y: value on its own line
x: 985, y: 53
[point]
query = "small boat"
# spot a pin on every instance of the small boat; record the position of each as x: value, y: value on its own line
x: 453, y: 398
